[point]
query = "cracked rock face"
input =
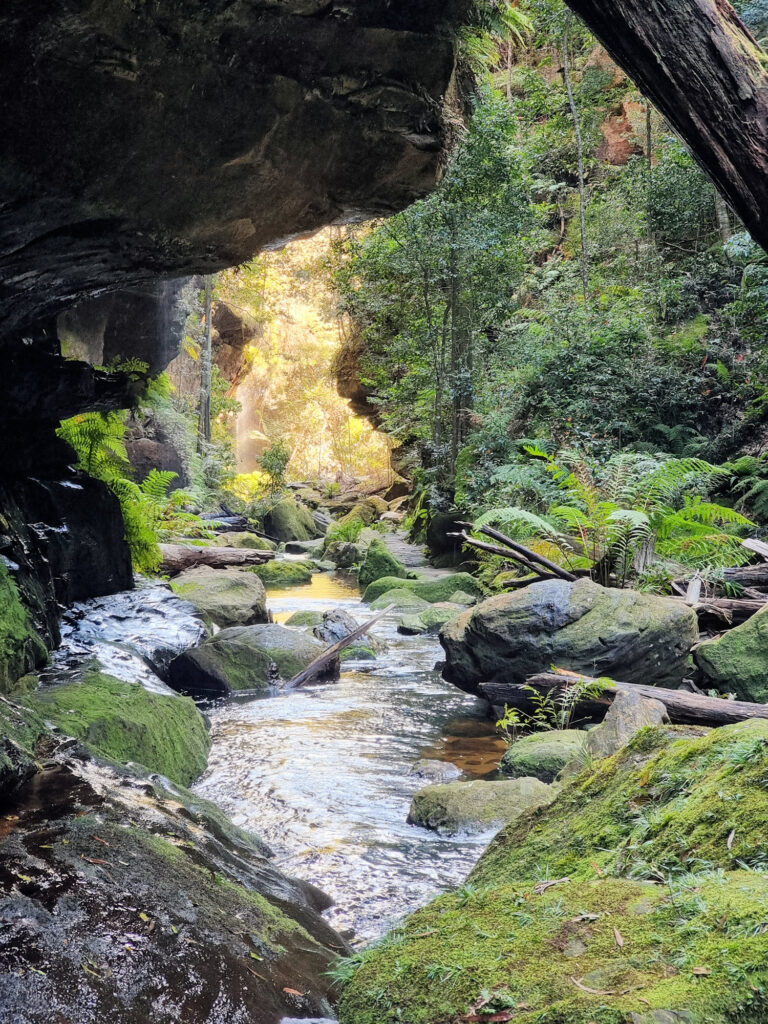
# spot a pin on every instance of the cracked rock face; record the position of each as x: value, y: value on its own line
x: 166, y: 137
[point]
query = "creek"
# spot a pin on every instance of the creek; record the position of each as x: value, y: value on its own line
x: 324, y: 774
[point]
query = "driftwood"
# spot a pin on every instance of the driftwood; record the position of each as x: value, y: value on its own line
x: 315, y: 667
x: 542, y: 567
x: 178, y: 557
x: 683, y: 708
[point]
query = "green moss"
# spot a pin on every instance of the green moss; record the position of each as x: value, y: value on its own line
x: 518, y: 950
x: 432, y: 591
x: 659, y: 913
x: 403, y: 601
x: 124, y: 722
x: 737, y: 661
x: 21, y: 649
x: 305, y: 618
x: 284, y: 573
x: 288, y: 520
x: 379, y: 562
x: 20, y: 730
x: 431, y: 620
x: 543, y: 755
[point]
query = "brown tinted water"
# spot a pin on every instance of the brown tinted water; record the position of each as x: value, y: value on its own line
x: 323, y: 774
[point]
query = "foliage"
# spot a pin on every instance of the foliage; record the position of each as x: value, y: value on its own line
x: 274, y: 462
x: 550, y: 711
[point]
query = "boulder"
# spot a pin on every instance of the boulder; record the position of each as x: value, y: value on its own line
x: 476, y: 806
x: 336, y: 625
x: 241, y: 540
x: 627, y: 715
x: 226, y: 597
x: 435, y: 771
x: 433, y: 591
x: 288, y: 520
x: 379, y: 562
x: 737, y: 661
x: 20, y: 730
x: 284, y: 573
x: 431, y: 620
x: 580, y: 626
x: 21, y: 648
x: 125, y: 723
x: 304, y: 618
x: 404, y: 601
x: 245, y: 659
x: 344, y: 553
x: 544, y: 754
x: 305, y: 547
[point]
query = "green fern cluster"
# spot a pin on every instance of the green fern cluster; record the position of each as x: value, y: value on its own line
x: 149, y: 512
x: 628, y: 514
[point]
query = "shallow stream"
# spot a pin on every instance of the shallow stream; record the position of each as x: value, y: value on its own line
x: 324, y: 774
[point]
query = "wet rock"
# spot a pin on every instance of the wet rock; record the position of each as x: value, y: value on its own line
x: 433, y: 591
x: 580, y: 626
x: 245, y: 659
x: 127, y: 723
x: 737, y: 661
x: 305, y: 617
x: 304, y: 547
x: 344, y: 553
x: 120, y: 892
x: 435, y: 771
x: 21, y: 648
x: 476, y: 806
x: 336, y: 625
x: 379, y: 562
x: 288, y: 520
x: 20, y: 730
x: 431, y: 620
x: 146, y: 454
x: 627, y: 715
x: 226, y: 597
x: 284, y: 573
x: 544, y: 755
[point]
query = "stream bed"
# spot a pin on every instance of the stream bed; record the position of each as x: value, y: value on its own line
x: 324, y: 774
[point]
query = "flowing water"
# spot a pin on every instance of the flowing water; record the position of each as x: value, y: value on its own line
x: 324, y: 774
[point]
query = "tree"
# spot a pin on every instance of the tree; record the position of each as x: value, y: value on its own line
x: 204, y: 428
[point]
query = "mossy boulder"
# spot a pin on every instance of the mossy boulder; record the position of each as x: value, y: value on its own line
x: 631, y: 636
x: 21, y: 649
x: 245, y: 659
x: 125, y: 722
x: 433, y: 591
x: 380, y: 562
x: 737, y: 661
x: 284, y: 573
x: 401, y: 600
x: 288, y: 520
x: 431, y: 620
x: 226, y: 597
x: 656, y: 915
x: 544, y: 755
x: 304, y: 618
x: 242, y: 540
x: 627, y: 715
x: 452, y: 807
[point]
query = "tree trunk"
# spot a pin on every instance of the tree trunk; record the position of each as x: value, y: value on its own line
x: 723, y: 219
x: 178, y: 557
x: 704, y: 71
x: 204, y: 424
x: 580, y: 154
x: 683, y: 708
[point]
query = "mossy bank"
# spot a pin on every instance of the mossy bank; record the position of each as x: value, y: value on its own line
x: 639, y: 896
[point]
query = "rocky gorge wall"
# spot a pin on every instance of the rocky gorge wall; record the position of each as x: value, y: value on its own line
x: 149, y: 141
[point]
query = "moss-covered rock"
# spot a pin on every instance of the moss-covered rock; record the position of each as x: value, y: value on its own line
x: 284, y: 573
x: 581, y: 626
x: 737, y: 661
x: 20, y: 730
x: 21, y: 649
x: 380, y: 562
x: 476, y: 806
x: 401, y: 600
x: 244, y: 659
x: 125, y: 722
x: 653, y: 917
x: 544, y: 755
x: 226, y: 597
x: 242, y: 540
x: 304, y: 618
x: 433, y: 591
x: 288, y: 520
x: 431, y: 620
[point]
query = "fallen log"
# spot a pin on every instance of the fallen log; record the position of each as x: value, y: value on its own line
x: 524, y: 555
x: 731, y: 611
x: 683, y: 707
x: 315, y: 667
x: 178, y: 557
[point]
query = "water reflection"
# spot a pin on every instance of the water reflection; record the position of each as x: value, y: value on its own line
x: 323, y: 774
